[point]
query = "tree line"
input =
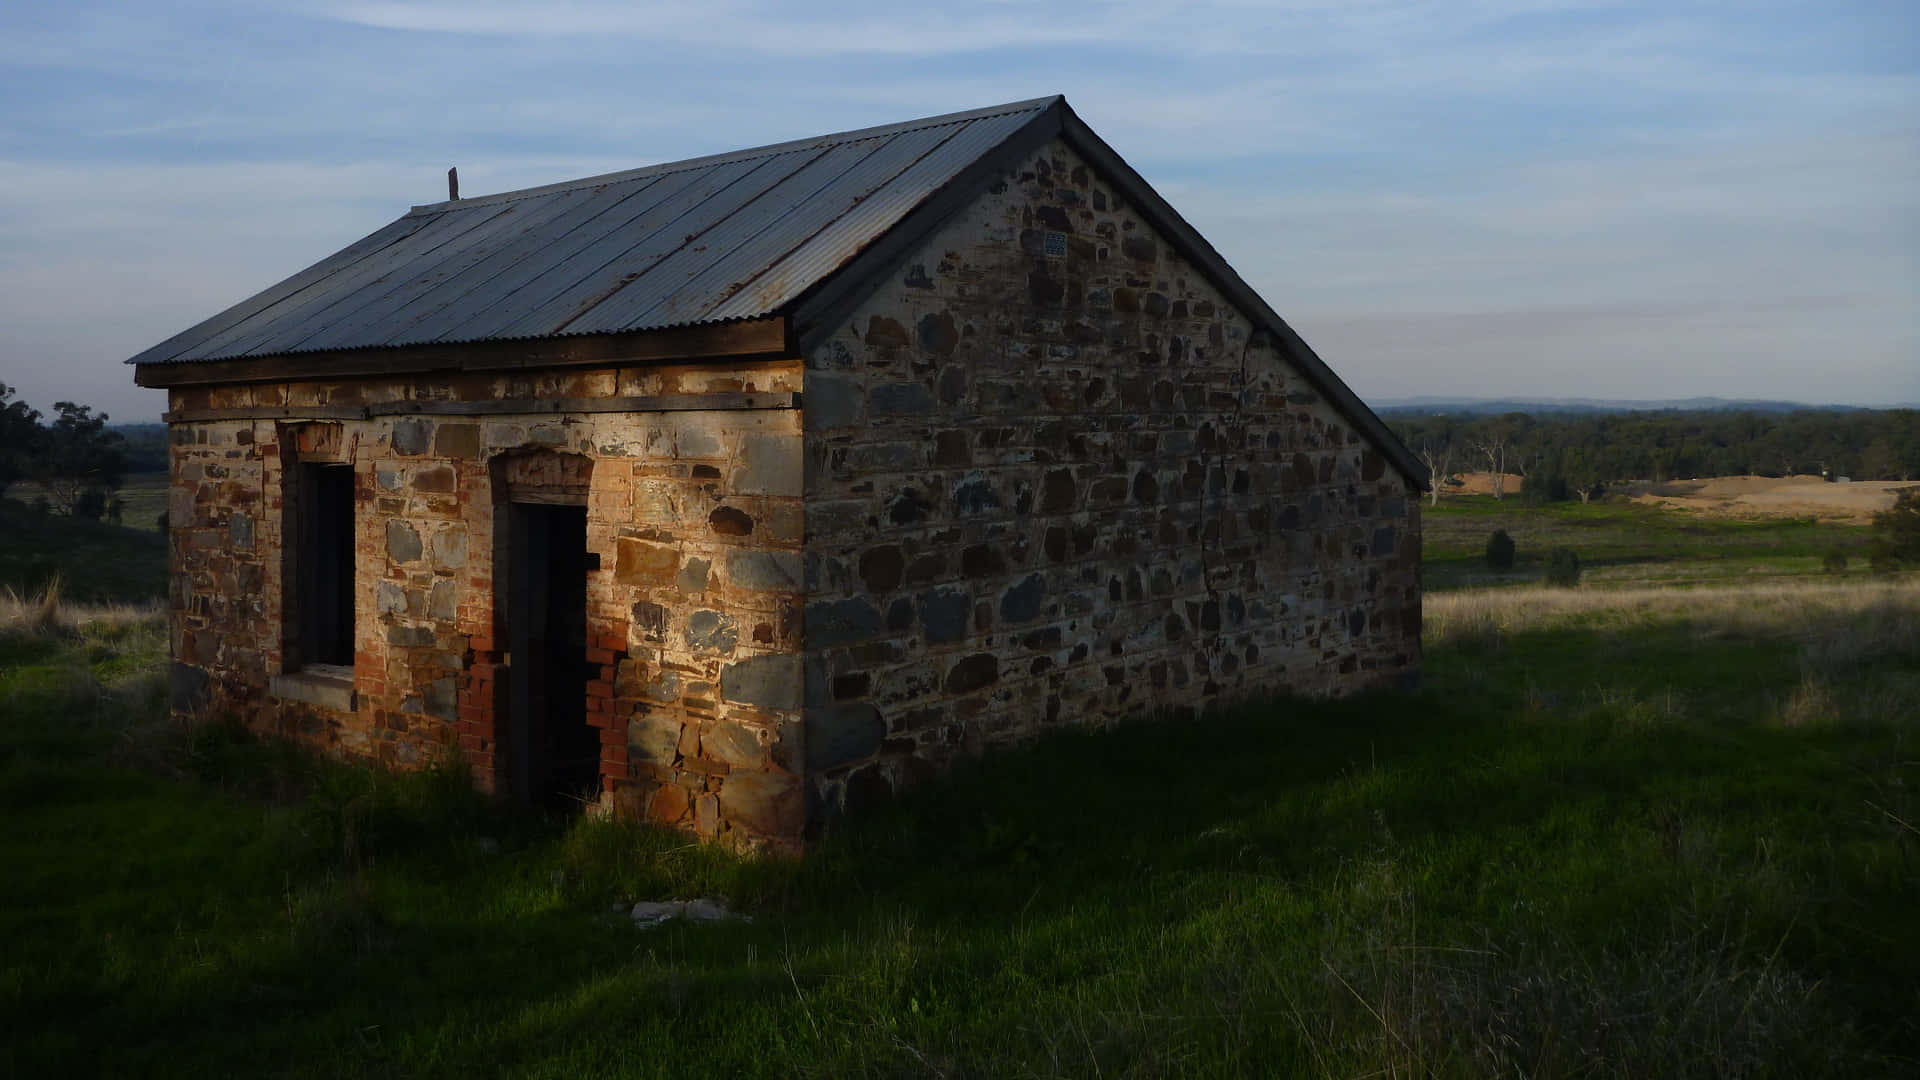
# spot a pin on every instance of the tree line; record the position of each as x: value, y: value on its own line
x: 75, y: 458
x: 1563, y: 457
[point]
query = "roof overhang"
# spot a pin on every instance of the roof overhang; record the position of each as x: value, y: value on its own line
x: 745, y: 339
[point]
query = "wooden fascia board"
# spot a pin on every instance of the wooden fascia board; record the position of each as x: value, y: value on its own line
x: 717, y: 402
x: 754, y: 338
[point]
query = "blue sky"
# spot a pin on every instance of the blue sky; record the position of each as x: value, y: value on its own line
x: 1478, y: 197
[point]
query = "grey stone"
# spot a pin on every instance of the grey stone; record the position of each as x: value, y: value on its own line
x: 450, y: 548
x: 411, y: 437
x: 1023, y: 601
x: 240, y: 531
x: 318, y: 689
x: 773, y: 681
x: 1383, y: 540
x: 736, y: 744
x: 900, y: 399
x: 837, y: 622
x: 766, y: 571
x: 771, y: 465
x: 843, y: 733
x: 694, y: 439
x: 443, y: 699
x: 403, y: 543
x: 413, y: 636
x: 832, y: 401
x: 390, y: 599
x: 885, y: 457
x: 654, y: 739
x: 711, y: 631
x: 944, y: 614
x: 443, y: 602
x: 974, y: 494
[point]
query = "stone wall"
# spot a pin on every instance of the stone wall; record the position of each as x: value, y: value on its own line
x: 1052, y: 477
x: 694, y: 615
x: 1045, y: 474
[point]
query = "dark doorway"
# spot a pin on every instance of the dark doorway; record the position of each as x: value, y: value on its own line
x: 553, y: 755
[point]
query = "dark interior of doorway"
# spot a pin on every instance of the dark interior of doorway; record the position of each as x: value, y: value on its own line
x: 554, y: 756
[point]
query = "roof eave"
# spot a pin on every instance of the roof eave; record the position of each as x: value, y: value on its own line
x: 764, y: 338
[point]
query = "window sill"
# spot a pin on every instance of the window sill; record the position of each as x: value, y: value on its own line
x: 323, y: 686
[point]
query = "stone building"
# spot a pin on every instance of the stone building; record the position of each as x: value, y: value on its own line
x: 732, y: 492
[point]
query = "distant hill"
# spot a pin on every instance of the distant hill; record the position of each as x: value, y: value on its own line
x: 1463, y: 406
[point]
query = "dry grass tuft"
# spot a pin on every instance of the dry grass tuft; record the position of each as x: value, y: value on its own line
x: 1842, y: 623
x: 47, y: 612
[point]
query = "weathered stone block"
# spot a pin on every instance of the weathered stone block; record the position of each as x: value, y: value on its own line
x: 766, y: 571
x: 769, y: 803
x: 450, y: 548
x: 411, y: 437
x: 945, y: 614
x: 770, y: 465
x: 840, y: 734
x: 833, y: 401
x: 454, y: 440
x: 403, y: 542
x: 900, y: 399
x: 711, y: 631
x: 654, y: 739
x: 645, y: 563
x: 973, y: 673
x: 838, y: 622
x: 735, y: 744
x: 771, y: 681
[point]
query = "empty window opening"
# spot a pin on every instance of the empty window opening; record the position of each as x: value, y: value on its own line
x: 323, y: 603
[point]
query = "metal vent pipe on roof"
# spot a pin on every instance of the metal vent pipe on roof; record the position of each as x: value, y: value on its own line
x: 453, y: 184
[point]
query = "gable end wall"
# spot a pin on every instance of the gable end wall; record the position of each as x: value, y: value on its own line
x: 1053, y: 477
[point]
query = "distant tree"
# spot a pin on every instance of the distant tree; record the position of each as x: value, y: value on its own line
x: 1897, y: 531
x: 1835, y: 561
x: 78, y: 453
x: 1493, y: 448
x: 1500, y: 550
x: 1879, y: 461
x: 91, y: 505
x: 1563, y: 567
x: 20, y: 435
x: 1437, y: 459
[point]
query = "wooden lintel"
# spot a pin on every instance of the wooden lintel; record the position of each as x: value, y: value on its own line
x: 516, y: 407
x: 754, y: 338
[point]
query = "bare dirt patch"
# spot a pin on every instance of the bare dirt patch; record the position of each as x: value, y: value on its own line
x: 1772, y: 497
x: 1804, y: 496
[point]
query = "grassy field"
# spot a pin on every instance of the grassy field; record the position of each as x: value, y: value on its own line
x: 95, y: 562
x: 1624, y: 544
x: 1621, y: 832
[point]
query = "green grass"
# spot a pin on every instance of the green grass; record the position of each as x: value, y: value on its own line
x: 1679, y: 846
x: 1625, y: 544
x: 145, y: 496
x: 96, y: 562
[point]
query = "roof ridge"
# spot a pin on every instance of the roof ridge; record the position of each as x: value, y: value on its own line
x: 668, y: 168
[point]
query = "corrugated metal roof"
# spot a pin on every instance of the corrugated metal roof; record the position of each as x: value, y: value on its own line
x: 714, y: 239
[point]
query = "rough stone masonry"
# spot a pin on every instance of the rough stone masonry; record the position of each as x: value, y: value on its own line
x: 1045, y: 474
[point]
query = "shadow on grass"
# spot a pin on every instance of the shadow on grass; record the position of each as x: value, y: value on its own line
x: 1582, y: 812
